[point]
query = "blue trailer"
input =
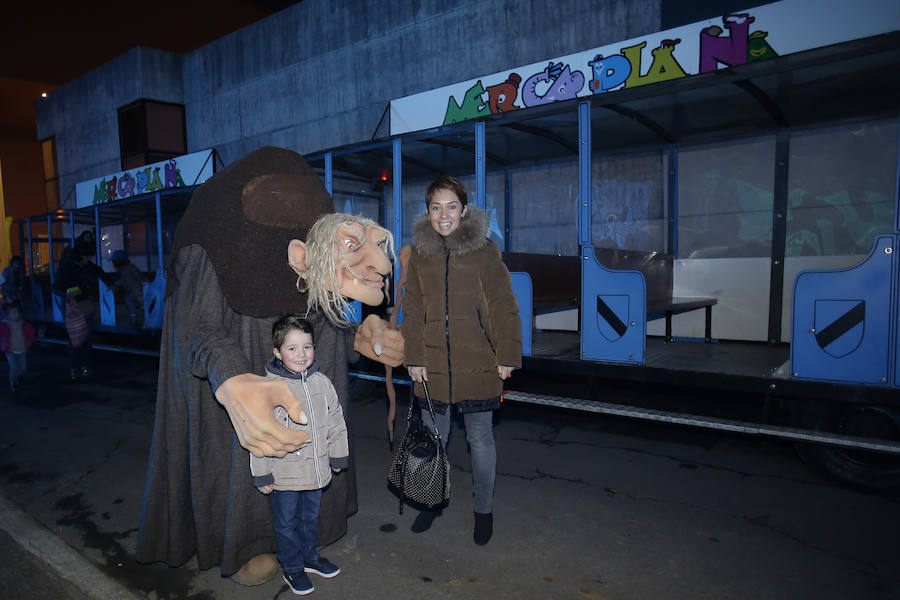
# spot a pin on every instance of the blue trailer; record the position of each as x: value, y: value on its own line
x: 734, y: 230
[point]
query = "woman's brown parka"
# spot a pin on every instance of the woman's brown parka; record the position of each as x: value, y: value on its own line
x: 460, y: 316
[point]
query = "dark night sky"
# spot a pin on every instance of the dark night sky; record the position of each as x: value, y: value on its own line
x: 46, y: 43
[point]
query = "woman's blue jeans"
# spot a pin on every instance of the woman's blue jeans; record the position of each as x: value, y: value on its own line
x: 480, y: 435
x: 295, y: 518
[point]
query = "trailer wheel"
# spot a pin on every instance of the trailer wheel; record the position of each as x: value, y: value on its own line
x: 857, y: 468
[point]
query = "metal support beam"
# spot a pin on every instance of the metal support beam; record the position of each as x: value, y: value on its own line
x: 584, y: 173
x: 480, y: 200
x: 397, y: 224
x: 329, y: 175
x: 779, y: 234
x: 159, y: 247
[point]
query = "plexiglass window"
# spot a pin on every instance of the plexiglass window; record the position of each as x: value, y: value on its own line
x: 544, y: 204
x: 628, y: 202
x: 725, y: 199
x: 841, y: 187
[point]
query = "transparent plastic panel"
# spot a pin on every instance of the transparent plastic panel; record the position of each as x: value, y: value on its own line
x: 544, y: 209
x: 725, y: 199
x: 628, y: 195
x: 841, y: 187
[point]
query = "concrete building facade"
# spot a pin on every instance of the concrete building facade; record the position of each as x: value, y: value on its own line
x: 320, y: 74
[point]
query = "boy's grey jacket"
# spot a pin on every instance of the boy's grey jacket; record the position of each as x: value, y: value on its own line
x: 309, y: 468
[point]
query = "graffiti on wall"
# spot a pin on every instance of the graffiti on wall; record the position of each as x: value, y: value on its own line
x: 558, y: 81
x: 190, y: 169
x: 135, y: 183
x: 732, y: 40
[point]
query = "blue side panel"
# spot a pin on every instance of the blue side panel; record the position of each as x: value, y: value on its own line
x: 353, y: 312
x: 842, y: 320
x: 521, y: 287
x: 107, y: 305
x: 613, y: 312
x: 155, y: 300
x: 59, y: 307
x: 37, y: 301
x: 895, y: 314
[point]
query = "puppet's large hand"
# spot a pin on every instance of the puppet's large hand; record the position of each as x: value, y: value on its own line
x: 250, y: 401
x: 376, y: 339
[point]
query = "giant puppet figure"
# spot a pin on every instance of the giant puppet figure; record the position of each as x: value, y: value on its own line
x: 238, y: 264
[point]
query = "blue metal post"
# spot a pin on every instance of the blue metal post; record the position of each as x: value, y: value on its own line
x: 397, y: 225
x: 30, y: 251
x: 897, y: 191
x: 97, y: 233
x: 328, y: 174
x: 672, y: 217
x: 584, y: 173
x: 49, y: 246
x: 507, y: 212
x: 480, y: 200
x: 159, y: 246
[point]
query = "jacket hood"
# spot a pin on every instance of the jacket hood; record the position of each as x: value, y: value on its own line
x: 470, y: 236
x: 276, y: 367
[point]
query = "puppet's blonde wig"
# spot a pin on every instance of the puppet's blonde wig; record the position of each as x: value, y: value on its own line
x: 321, y: 268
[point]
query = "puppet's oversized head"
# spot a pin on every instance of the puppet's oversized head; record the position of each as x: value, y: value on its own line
x: 344, y: 256
x: 244, y: 216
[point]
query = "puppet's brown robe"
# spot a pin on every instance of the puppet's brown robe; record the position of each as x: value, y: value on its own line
x: 199, y: 498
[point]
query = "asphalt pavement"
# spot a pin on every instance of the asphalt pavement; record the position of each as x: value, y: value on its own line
x: 586, y: 507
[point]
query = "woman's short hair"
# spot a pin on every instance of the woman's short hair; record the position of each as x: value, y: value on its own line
x: 446, y: 182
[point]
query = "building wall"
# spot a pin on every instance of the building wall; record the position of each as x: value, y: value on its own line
x: 83, y: 114
x: 320, y: 74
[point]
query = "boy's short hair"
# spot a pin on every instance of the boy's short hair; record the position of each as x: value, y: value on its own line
x: 446, y: 182
x: 287, y: 323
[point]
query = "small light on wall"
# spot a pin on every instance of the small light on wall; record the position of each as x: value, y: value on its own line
x: 43, y: 94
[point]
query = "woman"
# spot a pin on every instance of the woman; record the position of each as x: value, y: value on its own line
x: 462, y: 332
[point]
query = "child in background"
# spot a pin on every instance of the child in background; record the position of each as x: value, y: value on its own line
x: 295, y: 481
x: 16, y: 336
x: 131, y: 282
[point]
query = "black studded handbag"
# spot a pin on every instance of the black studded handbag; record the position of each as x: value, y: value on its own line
x: 420, y: 470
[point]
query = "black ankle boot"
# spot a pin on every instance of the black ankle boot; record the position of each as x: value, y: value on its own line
x: 484, y: 528
x: 424, y: 520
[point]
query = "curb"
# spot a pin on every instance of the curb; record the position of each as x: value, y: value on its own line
x: 65, y: 561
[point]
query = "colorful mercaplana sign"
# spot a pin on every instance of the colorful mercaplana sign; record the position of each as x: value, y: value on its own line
x: 181, y: 171
x: 734, y: 39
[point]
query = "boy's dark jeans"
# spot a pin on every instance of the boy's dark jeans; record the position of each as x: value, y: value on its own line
x: 295, y: 519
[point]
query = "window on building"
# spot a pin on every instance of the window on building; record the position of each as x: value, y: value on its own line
x: 51, y: 173
x: 150, y: 132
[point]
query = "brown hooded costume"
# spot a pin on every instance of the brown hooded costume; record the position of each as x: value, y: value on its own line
x: 228, y: 282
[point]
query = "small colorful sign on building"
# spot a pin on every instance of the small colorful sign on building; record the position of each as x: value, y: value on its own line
x: 187, y: 170
x: 735, y: 39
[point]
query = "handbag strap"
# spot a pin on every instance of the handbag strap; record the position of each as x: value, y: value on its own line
x: 437, y: 434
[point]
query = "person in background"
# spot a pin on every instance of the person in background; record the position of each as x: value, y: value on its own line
x: 131, y: 282
x: 16, y: 337
x: 462, y: 331
x: 77, y: 281
x: 294, y: 482
x: 13, y: 276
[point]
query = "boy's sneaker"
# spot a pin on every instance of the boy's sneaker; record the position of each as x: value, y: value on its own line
x: 299, y: 583
x: 321, y: 567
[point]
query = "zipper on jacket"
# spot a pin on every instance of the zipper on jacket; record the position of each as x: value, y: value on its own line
x: 484, y: 331
x: 312, y: 431
x: 447, y: 326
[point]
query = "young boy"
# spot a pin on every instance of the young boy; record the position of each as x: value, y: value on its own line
x: 16, y: 336
x: 295, y: 482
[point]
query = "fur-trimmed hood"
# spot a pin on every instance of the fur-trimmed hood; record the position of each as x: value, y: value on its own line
x: 471, y: 235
